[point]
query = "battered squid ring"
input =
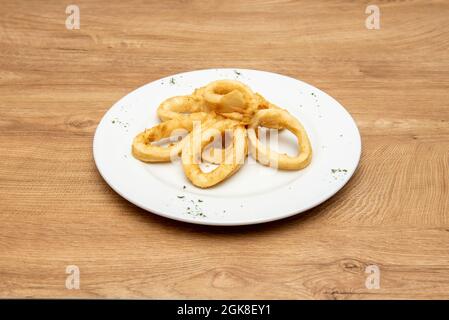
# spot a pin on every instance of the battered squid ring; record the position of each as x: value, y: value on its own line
x: 143, y: 150
x: 214, y: 152
x: 273, y: 118
x: 214, y: 155
x: 233, y: 161
x: 177, y: 107
x: 232, y: 99
x: 263, y: 103
x: 217, y: 154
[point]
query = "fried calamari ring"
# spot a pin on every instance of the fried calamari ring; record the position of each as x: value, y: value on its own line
x: 192, y: 148
x: 273, y: 118
x: 220, y: 106
x: 144, y: 150
x: 180, y: 106
x: 216, y: 154
x: 263, y: 103
x: 232, y: 99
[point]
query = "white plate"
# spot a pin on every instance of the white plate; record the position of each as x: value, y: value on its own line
x: 256, y: 193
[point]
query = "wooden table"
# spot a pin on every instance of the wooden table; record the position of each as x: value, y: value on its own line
x: 55, y: 85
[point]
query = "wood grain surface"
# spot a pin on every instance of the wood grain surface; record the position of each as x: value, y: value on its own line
x: 56, y: 84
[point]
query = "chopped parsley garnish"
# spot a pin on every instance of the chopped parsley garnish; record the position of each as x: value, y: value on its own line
x: 339, y: 170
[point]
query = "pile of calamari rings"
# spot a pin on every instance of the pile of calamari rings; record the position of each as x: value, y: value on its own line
x: 193, y: 124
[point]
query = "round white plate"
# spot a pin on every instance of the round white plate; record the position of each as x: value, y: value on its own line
x: 256, y: 193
